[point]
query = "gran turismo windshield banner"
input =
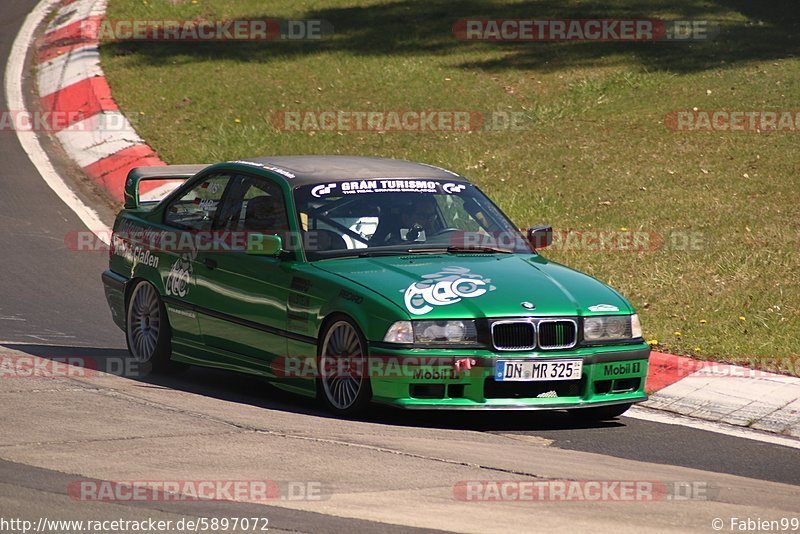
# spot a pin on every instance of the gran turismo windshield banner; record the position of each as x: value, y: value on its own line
x: 364, y: 216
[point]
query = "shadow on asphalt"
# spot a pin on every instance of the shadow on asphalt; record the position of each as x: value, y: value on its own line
x: 254, y: 391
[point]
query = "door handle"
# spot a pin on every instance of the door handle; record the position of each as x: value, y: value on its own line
x: 211, y: 264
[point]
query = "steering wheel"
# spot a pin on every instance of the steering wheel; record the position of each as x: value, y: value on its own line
x: 446, y: 231
x: 443, y: 232
x: 413, y: 232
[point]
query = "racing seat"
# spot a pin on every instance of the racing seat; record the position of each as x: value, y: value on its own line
x: 388, y: 229
x: 328, y: 240
x: 265, y: 214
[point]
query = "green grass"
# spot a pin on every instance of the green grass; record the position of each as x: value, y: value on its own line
x: 595, y: 155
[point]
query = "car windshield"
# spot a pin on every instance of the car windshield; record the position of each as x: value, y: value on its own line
x: 398, y: 216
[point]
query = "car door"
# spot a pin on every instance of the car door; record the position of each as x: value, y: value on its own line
x: 190, y: 215
x: 246, y: 294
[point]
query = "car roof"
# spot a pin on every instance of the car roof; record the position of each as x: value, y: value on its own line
x: 305, y: 170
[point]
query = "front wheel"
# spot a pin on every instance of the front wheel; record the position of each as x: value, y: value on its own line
x: 601, y: 413
x: 343, y: 381
x: 147, y: 329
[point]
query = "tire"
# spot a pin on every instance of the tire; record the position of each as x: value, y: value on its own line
x: 601, y: 413
x: 342, y: 349
x: 147, y: 330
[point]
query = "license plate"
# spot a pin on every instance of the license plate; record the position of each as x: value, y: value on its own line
x: 537, y: 371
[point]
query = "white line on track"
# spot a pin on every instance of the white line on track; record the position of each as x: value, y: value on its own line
x: 28, y: 139
x: 667, y: 418
x: 45, y: 344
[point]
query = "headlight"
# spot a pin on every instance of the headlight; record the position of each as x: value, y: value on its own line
x: 400, y: 332
x: 433, y: 332
x: 611, y: 327
x: 460, y: 332
x: 636, y: 326
x: 616, y: 326
x: 593, y: 328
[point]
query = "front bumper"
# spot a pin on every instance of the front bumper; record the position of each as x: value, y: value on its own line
x: 611, y: 375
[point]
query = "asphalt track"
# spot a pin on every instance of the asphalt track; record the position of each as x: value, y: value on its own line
x: 387, y: 473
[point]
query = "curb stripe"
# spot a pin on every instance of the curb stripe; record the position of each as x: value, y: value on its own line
x: 82, y: 31
x: 72, y: 14
x: 112, y: 171
x: 71, y: 81
x: 49, y: 53
x: 62, y: 71
x: 666, y: 369
x: 98, y: 137
x: 83, y: 99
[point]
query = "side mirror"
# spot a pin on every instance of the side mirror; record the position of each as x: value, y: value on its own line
x: 540, y: 236
x: 264, y: 245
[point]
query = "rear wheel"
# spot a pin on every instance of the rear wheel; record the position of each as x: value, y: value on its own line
x: 147, y: 329
x: 343, y: 381
x: 601, y: 413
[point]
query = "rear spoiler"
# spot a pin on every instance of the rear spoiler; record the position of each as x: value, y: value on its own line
x: 137, y: 175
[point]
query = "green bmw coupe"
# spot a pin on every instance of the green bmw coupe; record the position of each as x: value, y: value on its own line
x: 362, y: 280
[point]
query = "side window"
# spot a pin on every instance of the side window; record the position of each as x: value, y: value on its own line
x: 197, y: 208
x: 255, y: 205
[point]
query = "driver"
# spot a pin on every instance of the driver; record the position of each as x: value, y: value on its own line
x: 419, y: 218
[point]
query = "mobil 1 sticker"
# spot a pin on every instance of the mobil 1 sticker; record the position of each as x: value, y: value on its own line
x: 616, y: 369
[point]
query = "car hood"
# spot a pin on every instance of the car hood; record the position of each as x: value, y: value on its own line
x: 458, y: 286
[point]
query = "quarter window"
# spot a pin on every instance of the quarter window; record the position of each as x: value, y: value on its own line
x: 197, y: 208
